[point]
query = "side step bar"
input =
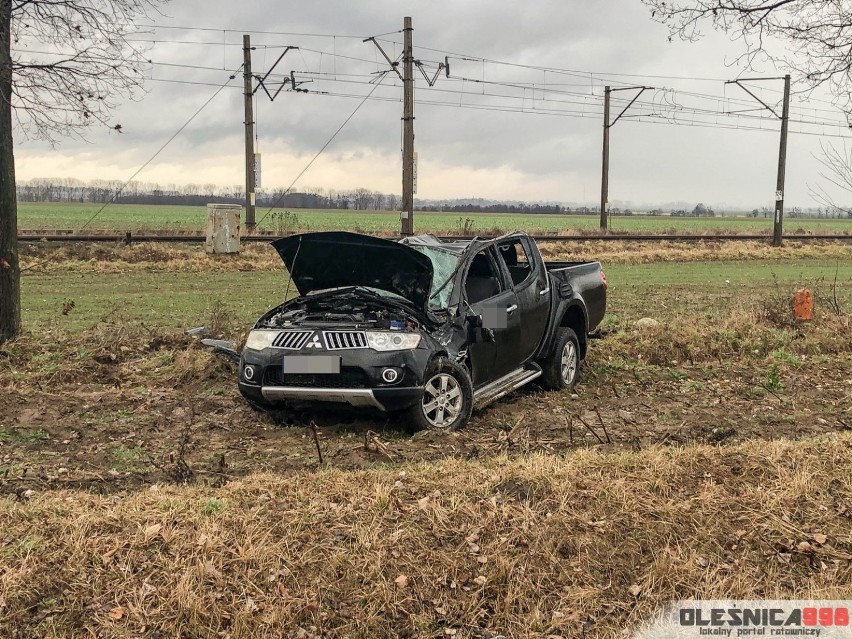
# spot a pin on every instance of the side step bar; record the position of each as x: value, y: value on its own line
x: 505, y: 385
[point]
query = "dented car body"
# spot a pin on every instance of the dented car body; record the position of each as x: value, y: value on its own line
x: 433, y: 328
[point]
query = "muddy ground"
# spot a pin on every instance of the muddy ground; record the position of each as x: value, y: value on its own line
x: 118, y: 400
x: 111, y: 437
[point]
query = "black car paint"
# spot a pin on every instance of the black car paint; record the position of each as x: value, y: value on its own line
x: 553, y: 295
x: 319, y: 261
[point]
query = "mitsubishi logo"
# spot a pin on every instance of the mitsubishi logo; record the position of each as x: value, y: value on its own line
x: 315, y: 343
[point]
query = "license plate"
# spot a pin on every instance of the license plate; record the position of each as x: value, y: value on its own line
x: 316, y: 364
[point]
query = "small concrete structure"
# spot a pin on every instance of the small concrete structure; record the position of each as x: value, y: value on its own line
x: 223, y: 228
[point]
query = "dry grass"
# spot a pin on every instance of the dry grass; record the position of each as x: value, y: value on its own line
x: 117, y: 258
x: 744, y: 334
x: 114, y: 351
x: 534, y: 547
x: 90, y: 257
x: 617, y: 252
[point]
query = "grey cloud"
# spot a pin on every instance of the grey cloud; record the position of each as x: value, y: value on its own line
x: 614, y: 36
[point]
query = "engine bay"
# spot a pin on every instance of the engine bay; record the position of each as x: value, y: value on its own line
x: 347, y: 312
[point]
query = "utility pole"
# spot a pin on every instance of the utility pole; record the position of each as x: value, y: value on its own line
x: 605, y: 169
x: 782, y: 166
x: 778, y: 220
x: 407, y: 215
x: 249, y: 94
x: 607, y: 126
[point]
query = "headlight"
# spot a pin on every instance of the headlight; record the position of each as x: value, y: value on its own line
x: 385, y: 341
x: 258, y: 340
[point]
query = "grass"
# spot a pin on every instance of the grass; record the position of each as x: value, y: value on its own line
x: 511, y: 526
x: 193, y: 218
x: 179, y: 300
x: 537, y: 546
x: 127, y: 457
x: 162, y: 300
x: 26, y: 437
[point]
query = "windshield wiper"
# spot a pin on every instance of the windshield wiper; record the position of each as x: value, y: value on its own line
x: 447, y: 281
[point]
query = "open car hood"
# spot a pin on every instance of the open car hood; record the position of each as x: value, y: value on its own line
x: 318, y: 261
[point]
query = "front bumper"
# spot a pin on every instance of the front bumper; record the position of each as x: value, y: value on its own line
x: 359, y: 382
x: 385, y: 399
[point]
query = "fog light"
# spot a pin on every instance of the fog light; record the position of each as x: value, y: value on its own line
x: 248, y: 372
x: 390, y: 375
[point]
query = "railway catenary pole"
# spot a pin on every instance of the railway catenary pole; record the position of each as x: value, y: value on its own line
x: 407, y: 214
x: 606, y: 127
x: 605, y: 167
x: 782, y: 167
x: 249, y: 125
x: 778, y: 218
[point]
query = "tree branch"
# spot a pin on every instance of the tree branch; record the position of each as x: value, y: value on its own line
x: 95, y: 65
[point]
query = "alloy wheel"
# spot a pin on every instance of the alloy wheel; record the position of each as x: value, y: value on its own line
x: 569, y: 362
x: 442, y: 400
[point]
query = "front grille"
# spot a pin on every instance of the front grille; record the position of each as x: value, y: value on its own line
x: 339, y: 340
x: 347, y: 378
x: 292, y: 340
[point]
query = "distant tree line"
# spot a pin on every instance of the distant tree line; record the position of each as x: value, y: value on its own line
x: 796, y: 212
x: 359, y: 199
x: 699, y: 211
x: 101, y: 191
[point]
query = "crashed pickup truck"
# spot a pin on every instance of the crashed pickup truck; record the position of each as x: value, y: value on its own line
x: 424, y: 328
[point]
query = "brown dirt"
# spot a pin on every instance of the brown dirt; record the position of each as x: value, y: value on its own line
x: 140, y: 496
x: 118, y: 420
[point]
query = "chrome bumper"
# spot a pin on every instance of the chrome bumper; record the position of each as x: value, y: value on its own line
x: 353, y: 396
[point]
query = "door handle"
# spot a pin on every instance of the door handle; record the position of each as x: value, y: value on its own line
x: 545, y: 291
x: 511, y: 309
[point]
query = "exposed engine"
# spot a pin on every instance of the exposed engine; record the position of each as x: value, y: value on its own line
x: 337, y: 312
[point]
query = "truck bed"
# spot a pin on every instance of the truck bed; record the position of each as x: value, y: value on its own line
x: 554, y: 266
x: 584, y: 279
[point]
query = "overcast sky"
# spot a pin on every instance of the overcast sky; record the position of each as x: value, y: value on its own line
x: 498, y: 139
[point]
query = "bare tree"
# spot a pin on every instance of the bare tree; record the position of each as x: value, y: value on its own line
x: 817, y: 34
x: 63, y: 66
x: 362, y: 198
x: 836, y: 170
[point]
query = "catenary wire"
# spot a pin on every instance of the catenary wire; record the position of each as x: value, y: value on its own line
x: 324, y: 147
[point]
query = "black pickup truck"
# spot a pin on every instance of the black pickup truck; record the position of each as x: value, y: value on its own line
x: 424, y: 327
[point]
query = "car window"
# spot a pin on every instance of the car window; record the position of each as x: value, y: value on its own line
x: 517, y: 262
x: 482, y: 280
x: 444, y: 268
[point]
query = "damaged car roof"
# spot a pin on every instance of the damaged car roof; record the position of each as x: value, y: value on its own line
x: 455, y: 246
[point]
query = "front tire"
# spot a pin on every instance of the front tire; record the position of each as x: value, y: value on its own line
x: 561, y: 368
x: 447, y: 401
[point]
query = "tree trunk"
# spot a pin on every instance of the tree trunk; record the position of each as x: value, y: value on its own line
x: 10, y: 273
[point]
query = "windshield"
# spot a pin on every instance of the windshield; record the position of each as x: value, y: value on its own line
x: 444, y: 266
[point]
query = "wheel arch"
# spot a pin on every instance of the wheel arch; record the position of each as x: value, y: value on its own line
x: 575, y: 318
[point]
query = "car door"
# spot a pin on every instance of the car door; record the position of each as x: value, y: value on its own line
x: 531, y: 284
x: 490, y: 297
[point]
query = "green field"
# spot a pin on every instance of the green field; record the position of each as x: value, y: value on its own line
x: 177, y: 300
x: 131, y: 217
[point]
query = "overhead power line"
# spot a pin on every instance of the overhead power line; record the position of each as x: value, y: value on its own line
x: 255, y: 32
x: 669, y: 109
x: 162, y: 148
x: 575, y: 114
x: 322, y: 149
x: 590, y: 78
